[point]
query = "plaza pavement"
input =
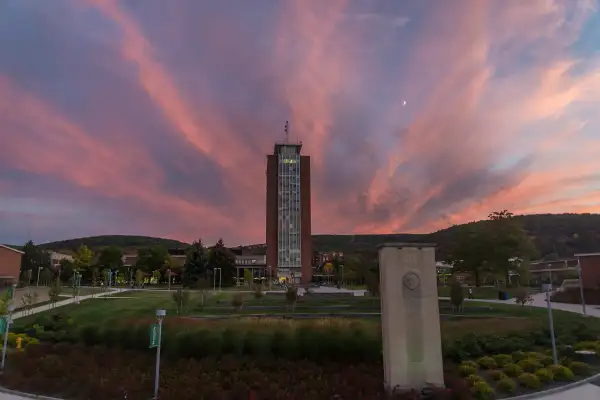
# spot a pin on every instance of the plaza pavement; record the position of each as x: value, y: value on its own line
x: 586, y: 391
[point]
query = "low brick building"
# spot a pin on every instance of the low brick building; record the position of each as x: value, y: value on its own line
x: 10, y: 265
x: 590, y: 270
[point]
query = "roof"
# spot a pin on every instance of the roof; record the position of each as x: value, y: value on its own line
x: 402, y: 244
x: 587, y: 255
x: 10, y: 248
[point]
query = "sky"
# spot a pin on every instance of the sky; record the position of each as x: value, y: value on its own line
x: 154, y: 117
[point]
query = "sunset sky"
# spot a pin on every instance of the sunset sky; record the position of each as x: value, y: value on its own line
x: 154, y: 117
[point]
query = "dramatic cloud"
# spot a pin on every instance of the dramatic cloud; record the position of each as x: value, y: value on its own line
x: 118, y: 117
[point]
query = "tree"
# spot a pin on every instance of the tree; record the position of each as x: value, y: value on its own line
x: 111, y: 257
x: 54, y: 293
x: 220, y: 256
x: 182, y: 299
x: 456, y: 295
x: 83, y: 261
x: 470, y: 251
x: 522, y: 297
x: 237, y: 301
x: 203, y: 285
x: 195, y: 266
x: 508, y: 240
x: 152, y: 258
x: 249, y: 280
x: 65, y: 270
x: 291, y: 297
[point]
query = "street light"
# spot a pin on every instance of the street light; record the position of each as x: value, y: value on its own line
x: 7, y: 321
x: 160, y: 315
x: 169, y: 277
x: 581, y: 286
x: 551, y: 325
x: 215, y: 279
x: 38, y: 277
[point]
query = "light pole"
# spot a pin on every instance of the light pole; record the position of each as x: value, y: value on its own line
x: 38, y: 276
x: 270, y: 277
x: 581, y: 286
x: 169, y: 276
x: 77, y: 286
x: 215, y: 279
x: 8, y: 320
x: 110, y: 273
x: 551, y: 323
x: 160, y: 315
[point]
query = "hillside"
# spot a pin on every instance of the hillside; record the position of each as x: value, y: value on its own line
x: 555, y: 235
x: 123, y: 241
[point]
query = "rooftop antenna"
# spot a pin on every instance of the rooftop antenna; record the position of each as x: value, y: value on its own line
x: 287, y: 131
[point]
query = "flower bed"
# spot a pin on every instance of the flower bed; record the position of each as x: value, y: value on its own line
x: 507, y: 375
x: 76, y: 372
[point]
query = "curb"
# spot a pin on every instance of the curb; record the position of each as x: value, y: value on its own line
x: 556, y: 390
x: 27, y: 395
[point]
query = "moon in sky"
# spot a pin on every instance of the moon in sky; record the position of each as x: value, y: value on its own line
x: 404, y: 103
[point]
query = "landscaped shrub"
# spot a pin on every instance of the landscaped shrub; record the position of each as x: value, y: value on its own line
x: 587, y: 345
x: 561, y: 373
x: 580, y: 368
x: 512, y: 370
x: 545, y: 375
x: 530, y: 365
x: 466, y: 369
x: 518, y: 355
x: 545, y: 360
x: 502, y: 359
x: 473, y: 378
x: 497, y: 375
x: 506, y: 385
x: 529, y: 381
x: 487, y: 363
x: 482, y: 390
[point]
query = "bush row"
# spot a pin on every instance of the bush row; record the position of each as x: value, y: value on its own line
x: 103, y: 373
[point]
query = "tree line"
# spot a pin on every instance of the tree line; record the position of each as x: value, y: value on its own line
x: 153, y: 263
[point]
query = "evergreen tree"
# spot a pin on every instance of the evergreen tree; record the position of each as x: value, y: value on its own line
x: 195, y: 267
x: 220, y: 256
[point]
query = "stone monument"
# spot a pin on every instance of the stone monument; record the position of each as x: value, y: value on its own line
x: 410, y: 317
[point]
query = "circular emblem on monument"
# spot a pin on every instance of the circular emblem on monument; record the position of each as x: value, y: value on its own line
x: 411, y: 281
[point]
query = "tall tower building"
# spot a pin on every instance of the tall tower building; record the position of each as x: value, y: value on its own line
x: 289, y: 242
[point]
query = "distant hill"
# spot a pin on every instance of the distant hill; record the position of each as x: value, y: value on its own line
x: 555, y: 235
x: 123, y: 241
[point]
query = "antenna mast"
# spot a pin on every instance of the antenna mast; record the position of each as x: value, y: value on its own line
x: 287, y: 131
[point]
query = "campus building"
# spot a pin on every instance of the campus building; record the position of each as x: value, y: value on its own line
x: 288, y: 219
x: 10, y: 265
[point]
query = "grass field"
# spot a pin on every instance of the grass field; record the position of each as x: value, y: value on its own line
x: 140, y: 307
x: 484, y: 292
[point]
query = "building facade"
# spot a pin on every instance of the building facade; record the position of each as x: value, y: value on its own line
x: 590, y: 270
x: 289, y: 242
x: 10, y: 265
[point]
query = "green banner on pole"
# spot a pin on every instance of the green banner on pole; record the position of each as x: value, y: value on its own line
x: 2, y: 325
x: 11, y: 292
x: 154, y: 335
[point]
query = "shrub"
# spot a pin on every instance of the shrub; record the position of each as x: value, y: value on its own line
x: 481, y: 390
x: 466, y: 370
x: 487, y: 363
x: 544, y: 375
x: 580, y: 368
x: 522, y: 297
x: 237, y: 301
x: 502, y: 359
x: 473, y: 378
x: 530, y: 365
x: 518, y: 356
x: 512, y: 370
x: 497, y: 374
x: 258, y: 293
x: 545, y: 360
x: 561, y: 373
x: 456, y: 295
x: 587, y: 345
x: 529, y: 381
x: 506, y: 385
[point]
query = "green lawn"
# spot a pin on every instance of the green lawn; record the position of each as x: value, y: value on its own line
x: 140, y: 307
x: 484, y: 292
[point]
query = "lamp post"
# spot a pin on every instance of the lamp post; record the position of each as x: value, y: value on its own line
x: 6, y: 324
x: 160, y: 315
x: 169, y: 277
x: 215, y: 279
x: 581, y: 286
x: 551, y: 323
x: 38, y: 276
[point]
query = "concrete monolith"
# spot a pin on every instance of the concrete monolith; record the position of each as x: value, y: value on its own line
x: 412, y: 348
